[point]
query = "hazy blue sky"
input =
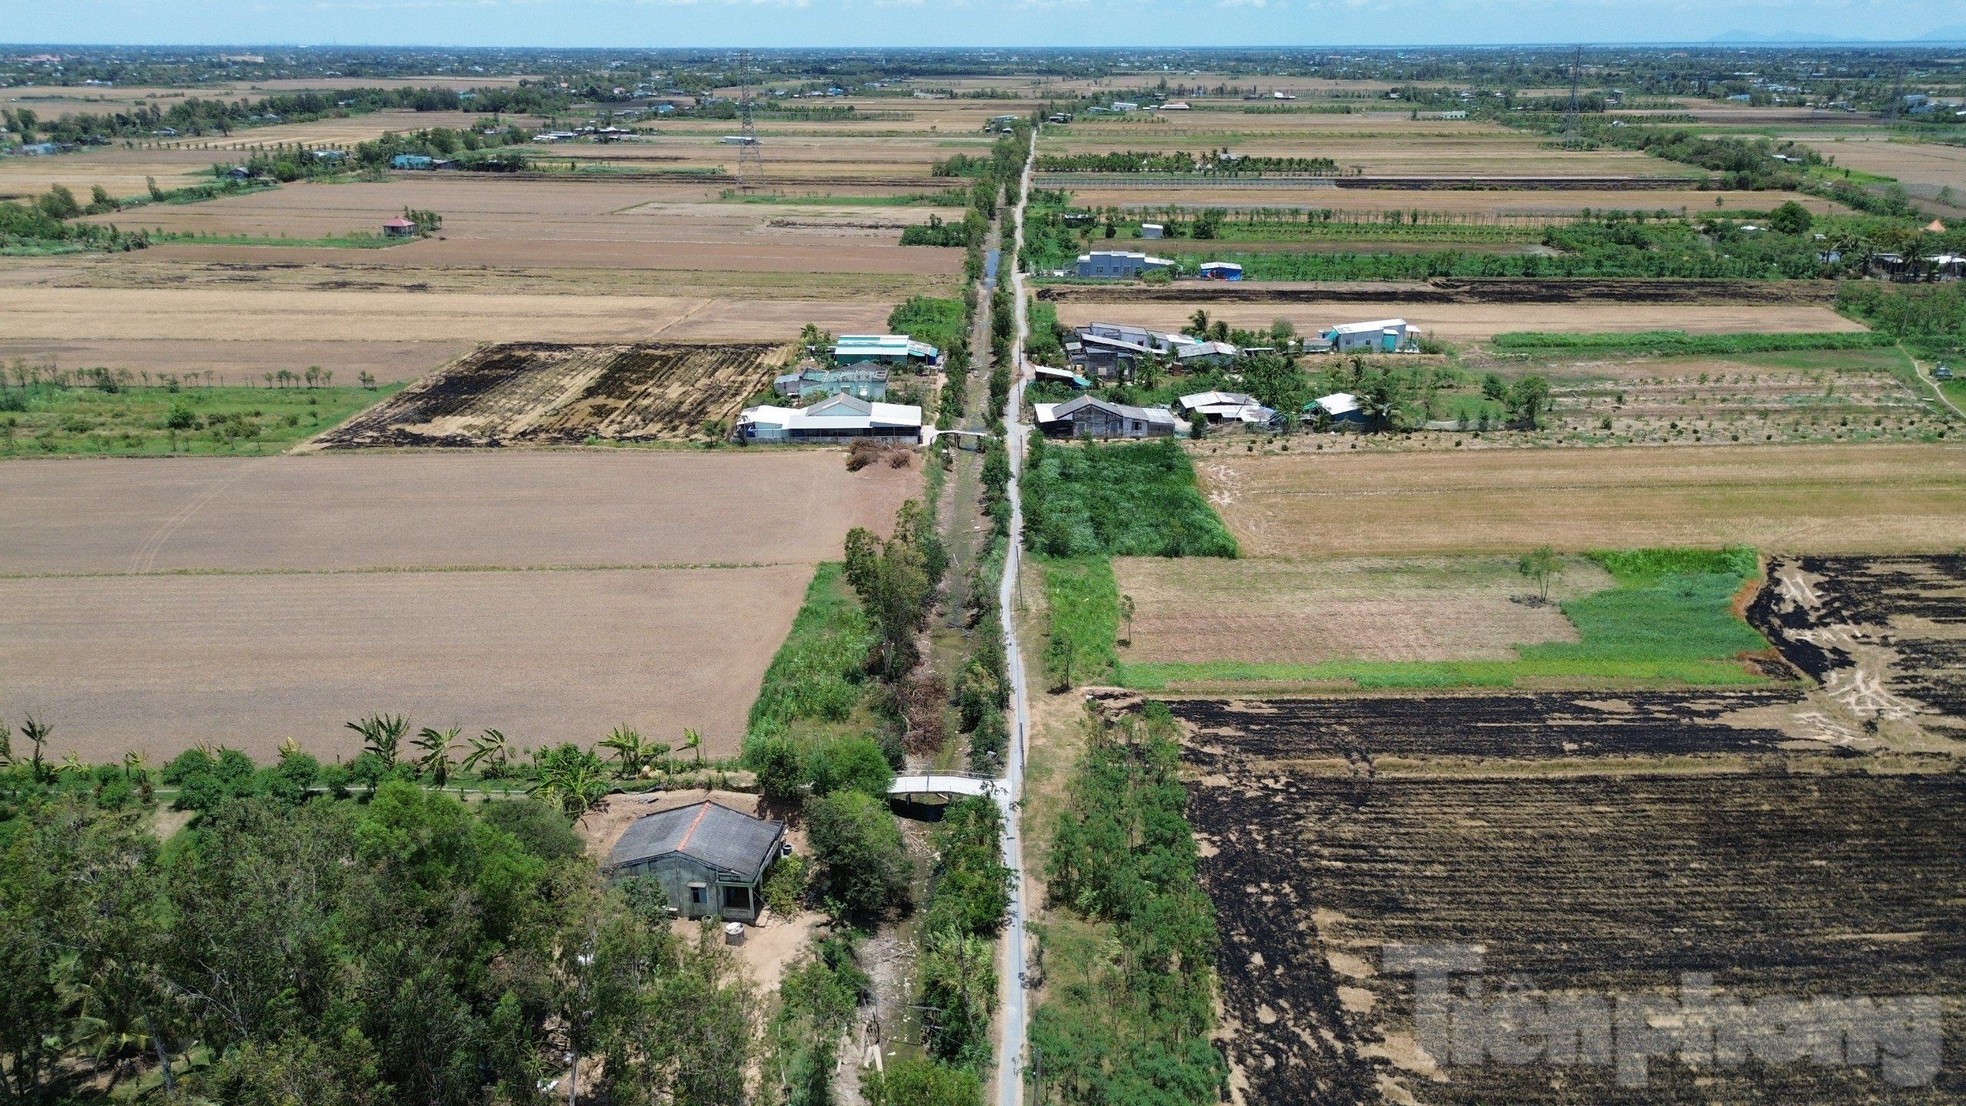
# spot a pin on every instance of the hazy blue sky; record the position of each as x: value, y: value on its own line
x: 955, y: 22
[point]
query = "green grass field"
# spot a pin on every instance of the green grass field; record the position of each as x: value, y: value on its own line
x: 1669, y: 620
x: 814, y: 681
x: 45, y: 420
x: 1084, y: 603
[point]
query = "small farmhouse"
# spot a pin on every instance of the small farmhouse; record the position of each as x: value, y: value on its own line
x: 398, y: 227
x: 1338, y: 408
x: 835, y: 419
x: 1226, y: 407
x: 1118, y: 263
x: 1380, y: 335
x: 1220, y: 270
x: 709, y: 859
x: 1086, y: 417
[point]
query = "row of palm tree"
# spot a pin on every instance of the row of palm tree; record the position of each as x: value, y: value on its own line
x: 490, y: 753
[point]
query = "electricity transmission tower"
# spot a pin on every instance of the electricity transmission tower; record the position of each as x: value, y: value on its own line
x: 750, y: 156
x: 1571, y: 121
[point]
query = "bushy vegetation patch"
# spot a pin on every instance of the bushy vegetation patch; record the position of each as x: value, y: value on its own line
x: 1135, y: 499
x: 817, y: 672
x: 1130, y: 1020
x: 939, y: 322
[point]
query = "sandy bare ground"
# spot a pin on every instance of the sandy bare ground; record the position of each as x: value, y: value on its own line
x: 161, y: 663
x: 242, y: 360
x: 260, y: 314
x: 1308, y: 611
x: 516, y: 509
x: 1473, y: 322
x: 1835, y: 498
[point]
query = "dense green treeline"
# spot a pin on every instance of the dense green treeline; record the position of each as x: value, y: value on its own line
x: 195, y: 116
x: 291, y: 946
x: 1131, y: 1022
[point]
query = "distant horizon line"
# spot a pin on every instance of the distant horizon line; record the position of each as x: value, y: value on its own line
x: 1724, y: 43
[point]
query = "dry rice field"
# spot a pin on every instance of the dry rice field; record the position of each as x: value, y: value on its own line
x: 573, y: 223
x: 1458, y: 322
x: 1373, y: 144
x: 1829, y: 499
x: 207, y: 314
x: 162, y: 663
x: 238, y: 360
x: 1487, y: 202
x: 1314, y: 610
x: 551, y: 595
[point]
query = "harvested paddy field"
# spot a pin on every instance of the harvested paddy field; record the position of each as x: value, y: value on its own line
x: 124, y: 173
x: 1547, y: 203
x: 571, y: 223
x: 352, y: 511
x: 1327, y: 498
x: 1922, y: 167
x: 240, y: 360
x: 552, y: 596
x: 240, y: 331
x: 160, y: 664
x: 1463, y: 322
x: 1309, y: 611
x: 540, y: 393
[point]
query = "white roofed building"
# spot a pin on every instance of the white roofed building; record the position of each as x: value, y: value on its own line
x: 1379, y: 336
x: 838, y: 418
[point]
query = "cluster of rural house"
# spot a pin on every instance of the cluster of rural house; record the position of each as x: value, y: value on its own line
x: 846, y: 397
x: 1113, y: 351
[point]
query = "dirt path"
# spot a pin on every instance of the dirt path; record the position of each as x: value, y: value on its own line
x: 1937, y: 388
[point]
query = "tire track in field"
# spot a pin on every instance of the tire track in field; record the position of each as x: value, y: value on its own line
x: 145, y: 558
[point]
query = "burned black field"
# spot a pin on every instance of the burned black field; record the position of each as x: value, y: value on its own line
x: 544, y: 393
x: 1555, y: 724
x: 1534, y: 829
x: 1885, y: 636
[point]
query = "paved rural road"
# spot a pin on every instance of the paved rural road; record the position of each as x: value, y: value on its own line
x: 1010, y: 1058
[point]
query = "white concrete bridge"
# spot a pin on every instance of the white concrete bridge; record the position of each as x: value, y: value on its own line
x: 944, y: 785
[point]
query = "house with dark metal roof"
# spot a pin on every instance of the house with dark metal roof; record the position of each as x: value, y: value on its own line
x: 709, y: 859
x: 1090, y: 417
